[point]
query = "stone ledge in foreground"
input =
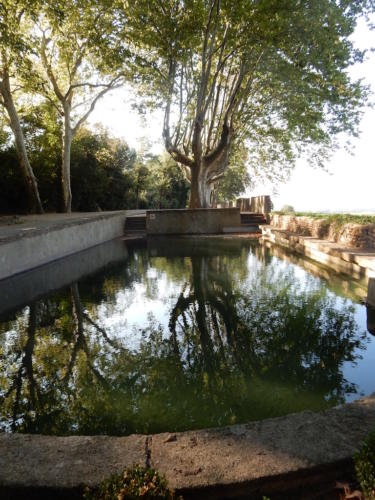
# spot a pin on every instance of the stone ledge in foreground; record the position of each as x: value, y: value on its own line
x: 250, y: 460
x: 63, y: 464
x: 264, y: 456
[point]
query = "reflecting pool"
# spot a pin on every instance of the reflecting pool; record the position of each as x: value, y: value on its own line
x: 176, y: 334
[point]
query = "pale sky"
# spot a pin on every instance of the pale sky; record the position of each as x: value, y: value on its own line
x: 349, y: 185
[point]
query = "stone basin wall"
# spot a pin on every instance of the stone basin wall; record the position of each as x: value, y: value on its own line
x: 192, y: 221
x: 351, y: 235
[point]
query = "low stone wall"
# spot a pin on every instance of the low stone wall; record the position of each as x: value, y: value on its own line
x: 351, y: 235
x: 192, y: 221
x: 26, y: 287
x: 257, y: 204
x: 340, y: 259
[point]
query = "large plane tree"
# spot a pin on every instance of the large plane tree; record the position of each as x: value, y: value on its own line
x: 268, y: 74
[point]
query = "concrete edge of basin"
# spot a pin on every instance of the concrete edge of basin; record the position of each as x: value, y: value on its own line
x: 46, y: 244
x: 80, y: 219
x: 276, y: 455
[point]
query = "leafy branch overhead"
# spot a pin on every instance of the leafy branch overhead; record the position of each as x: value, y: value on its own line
x: 271, y: 76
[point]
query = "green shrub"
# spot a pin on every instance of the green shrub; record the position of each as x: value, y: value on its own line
x: 288, y: 210
x: 134, y: 482
x: 364, y: 462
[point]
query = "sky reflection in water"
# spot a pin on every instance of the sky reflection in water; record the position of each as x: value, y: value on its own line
x: 183, y: 334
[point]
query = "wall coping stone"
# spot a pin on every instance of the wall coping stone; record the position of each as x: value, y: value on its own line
x: 274, y: 454
x: 54, y: 222
x: 189, y: 210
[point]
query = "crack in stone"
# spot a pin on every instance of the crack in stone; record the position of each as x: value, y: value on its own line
x: 148, y: 445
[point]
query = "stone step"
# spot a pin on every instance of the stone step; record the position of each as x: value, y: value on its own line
x: 135, y: 223
x: 342, y: 259
x: 253, y: 228
x: 255, y: 219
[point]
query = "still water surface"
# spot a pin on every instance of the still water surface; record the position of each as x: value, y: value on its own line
x: 183, y: 334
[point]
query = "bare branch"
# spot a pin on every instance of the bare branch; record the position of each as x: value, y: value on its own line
x: 78, y: 62
x: 110, y: 86
x: 51, y: 100
x: 213, y: 116
x: 102, y: 331
x: 176, y: 154
x: 206, y: 61
x: 225, y: 139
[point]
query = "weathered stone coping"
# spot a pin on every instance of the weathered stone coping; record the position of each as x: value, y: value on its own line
x: 259, y: 458
x: 351, y: 234
x: 31, y: 225
x: 356, y: 262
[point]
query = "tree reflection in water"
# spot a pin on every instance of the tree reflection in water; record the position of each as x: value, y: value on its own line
x: 248, y: 337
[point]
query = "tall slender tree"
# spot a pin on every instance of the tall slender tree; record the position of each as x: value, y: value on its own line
x: 71, y: 71
x: 14, y: 45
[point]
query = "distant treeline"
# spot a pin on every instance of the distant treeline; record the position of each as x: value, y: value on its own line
x: 106, y: 174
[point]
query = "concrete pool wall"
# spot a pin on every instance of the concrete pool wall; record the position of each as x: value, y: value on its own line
x: 28, y: 286
x: 192, y: 221
x: 27, y: 242
x: 37, y: 240
x: 259, y: 458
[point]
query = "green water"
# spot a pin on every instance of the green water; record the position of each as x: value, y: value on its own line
x: 183, y: 334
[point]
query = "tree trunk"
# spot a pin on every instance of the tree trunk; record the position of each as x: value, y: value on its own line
x: 65, y: 177
x: 137, y: 194
x: 35, y: 204
x: 200, y: 188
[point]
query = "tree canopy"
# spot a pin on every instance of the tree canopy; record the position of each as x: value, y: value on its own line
x: 104, y: 172
x: 269, y: 75
x: 245, y: 84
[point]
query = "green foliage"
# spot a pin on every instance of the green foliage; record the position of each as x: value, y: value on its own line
x: 12, y: 187
x: 364, y: 462
x: 290, y: 60
x: 270, y: 77
x: 341, y: 219
x: 167, y: 185
x: 135, y: 482
x: 106, y: 174
x: 101, y: 172
x: 235, y: 180
x: 287, y: 209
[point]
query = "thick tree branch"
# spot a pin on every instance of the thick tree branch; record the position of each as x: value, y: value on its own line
x: 49, y: 71
x: 176, y: 153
